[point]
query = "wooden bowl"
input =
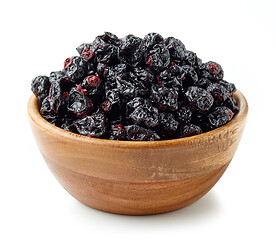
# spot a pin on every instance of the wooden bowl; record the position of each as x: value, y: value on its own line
x: 137, y: 178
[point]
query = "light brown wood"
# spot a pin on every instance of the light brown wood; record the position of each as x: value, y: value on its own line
x: 137, y: 177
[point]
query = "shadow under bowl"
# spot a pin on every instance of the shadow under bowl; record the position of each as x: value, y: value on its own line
x: 137, y: 178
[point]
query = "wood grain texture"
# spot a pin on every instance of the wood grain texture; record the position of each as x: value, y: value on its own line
x: 137, y: 177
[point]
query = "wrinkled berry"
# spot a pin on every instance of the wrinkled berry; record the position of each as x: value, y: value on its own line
x: 92, y: 126
x: 40, y: 86
x: 199, y: 99
x: 190, y: 130
x: 137, y: 133
x: 220, y: 116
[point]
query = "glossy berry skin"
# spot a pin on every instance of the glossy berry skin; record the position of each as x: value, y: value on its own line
x: 150, y: 40
x: 220, y: 116
x: 165, y: 98
x: 184, y: 115
x: 76, y: 68
x: 117, y: 132
x: 176, y: 49
x: 199, y: 99
x: 40, y: 86
x: 137, y: 133
x: 230, y: 87
x: 92, y: 126
x: 212, y: 71
x: 145, y: 115
x: 218, y: 91
x: 158, y: 58
x: 190, y: 130
x: 190, y: 59
x: 144, y: 76
x: 57, y: 75
x: 231, y: 103
x: 54, y: 105
x: 167, y: 125
x: 130, y: 50
x: 79, y: 104
x: 93, y: 85
x: 112, y: 101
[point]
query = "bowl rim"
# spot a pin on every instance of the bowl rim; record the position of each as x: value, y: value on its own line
x: 39, y: 121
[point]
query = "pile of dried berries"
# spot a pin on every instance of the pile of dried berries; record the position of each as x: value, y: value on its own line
x: 136, y: 89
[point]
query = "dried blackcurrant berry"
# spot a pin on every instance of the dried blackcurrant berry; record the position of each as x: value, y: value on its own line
x: 53, y: 106
x: 76, y: 68
x: 211, y: 70
x: 219, y: 93
x: 230, y: 87
x: 145, y: 115
x: 220, y: 116
x: 176, y: 48
x: 203, y: 83
x: 133, y: 104
x: 158, y: 58
x: 144, y: 76
x: 92, y: 126
x: 199, y: 99
x: 54, y: 76
x: 130, y: 50
x: 137, y: 133
x: 231, y: 103
x: 93, y: 85
x: 111, y: 38
x: 165, y: 98
x: 79, y: 104
x: 150, y: 40
x: 167, y: 125
x: 129, y: 86
x: 68, y: 125
x: 117, y: 132
x: 112, y: 103
x: 183, y: 115
x: 190, y: 58
x: 40, y: 86
x: 189, y: 130
x: 188, y: 76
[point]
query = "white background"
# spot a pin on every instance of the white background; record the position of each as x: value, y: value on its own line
x: 36, y: 37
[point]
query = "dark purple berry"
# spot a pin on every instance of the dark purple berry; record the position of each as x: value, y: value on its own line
x: 176, y: 48
x: 220, y: 116
x: 183, y: 115
x: 219, y: 92
x: 167, y: 125
x: 76, y: 68
x: 145, y: 115
x: 158, y: 58
x: 40, y: 86
x: 92, y: 126
x: 130, y: 50
x: 117, y: 132
x: 137, y: 133
x: 189, y: 130
x: 199, y: 99
x: 164, y: 97
x: 79, y: 104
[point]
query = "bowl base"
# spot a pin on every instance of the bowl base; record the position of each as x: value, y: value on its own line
x: 134, y: 198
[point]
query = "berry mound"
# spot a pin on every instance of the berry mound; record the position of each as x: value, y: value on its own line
x: 136, y: 89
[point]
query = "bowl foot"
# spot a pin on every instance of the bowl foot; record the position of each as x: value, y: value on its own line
x: 134, y: 198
